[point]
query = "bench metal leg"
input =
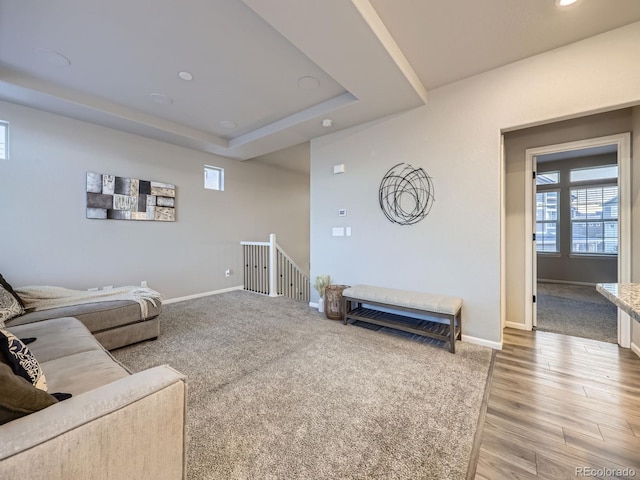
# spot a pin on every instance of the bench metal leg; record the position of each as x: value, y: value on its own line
x: 345, y: 309
x: 452, y: 334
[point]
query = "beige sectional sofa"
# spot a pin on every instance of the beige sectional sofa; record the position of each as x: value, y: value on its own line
x: 114, y: 323
x: 117, y: 425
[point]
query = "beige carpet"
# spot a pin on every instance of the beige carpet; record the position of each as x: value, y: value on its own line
x: 276, y: 391
x: 576, y: 310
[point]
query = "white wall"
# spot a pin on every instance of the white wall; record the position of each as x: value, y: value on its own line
x: 456, y: 139
x: 46, y: 238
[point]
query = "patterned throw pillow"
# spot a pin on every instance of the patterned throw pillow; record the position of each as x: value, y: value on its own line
x: 10, y: 306
x: 21, y: 360
x: 6, y: 286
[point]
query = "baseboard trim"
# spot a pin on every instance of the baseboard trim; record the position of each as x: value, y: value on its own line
x: 517, y: 326
x: 204, y: 294
x: 313, y: 304
x: 635, y: 349
x: 567, y: 282
x: 482, y: 341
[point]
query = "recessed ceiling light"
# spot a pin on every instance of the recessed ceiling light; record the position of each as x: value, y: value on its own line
x: 52, y: 57
x: 185, y: 76
x: 161, y: 98
x: 565, y: 3
x: 228, y: 124
x: 327, y: 122
x: 308, y: 83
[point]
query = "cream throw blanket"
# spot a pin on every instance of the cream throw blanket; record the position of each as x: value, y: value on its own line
x: 46, y: 297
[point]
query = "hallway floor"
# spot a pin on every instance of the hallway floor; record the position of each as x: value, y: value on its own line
x: 561, y: 407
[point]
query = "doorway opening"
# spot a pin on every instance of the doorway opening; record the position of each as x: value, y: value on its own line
x: 576, y: 238
x: 578, y: 218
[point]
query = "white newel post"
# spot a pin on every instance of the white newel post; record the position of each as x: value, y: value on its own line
x: 273, y: 268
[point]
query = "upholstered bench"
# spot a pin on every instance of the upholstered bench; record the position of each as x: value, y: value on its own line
x: 377, y: 299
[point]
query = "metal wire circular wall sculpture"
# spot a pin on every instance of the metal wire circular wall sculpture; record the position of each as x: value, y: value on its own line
x: 406, y: 194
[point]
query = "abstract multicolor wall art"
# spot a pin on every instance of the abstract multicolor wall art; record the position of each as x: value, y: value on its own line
x: 120, y: 198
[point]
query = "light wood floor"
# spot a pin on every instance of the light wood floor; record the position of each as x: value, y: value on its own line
x: 558, y: 403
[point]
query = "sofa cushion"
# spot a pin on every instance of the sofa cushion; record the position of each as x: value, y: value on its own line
x: 82, y: 372
x: 23, y: 363
x: 10, y: 305
x: 96, y: 316
x: 18, y: 397
x: 57, y: 338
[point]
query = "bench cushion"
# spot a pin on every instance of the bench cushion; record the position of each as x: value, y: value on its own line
x: 405, y: 298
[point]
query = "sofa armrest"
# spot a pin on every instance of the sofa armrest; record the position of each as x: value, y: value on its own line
x: 131, y: 428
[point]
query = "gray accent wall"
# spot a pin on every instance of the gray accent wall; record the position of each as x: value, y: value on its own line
x: 456, y: 138
x: 516, y: 143
x: 565, y: 267
x: 46, y: 238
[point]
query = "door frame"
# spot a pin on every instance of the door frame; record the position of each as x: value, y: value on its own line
x: 623, y: 143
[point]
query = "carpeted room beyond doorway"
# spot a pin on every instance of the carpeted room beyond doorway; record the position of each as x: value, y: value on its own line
x: 277, y: 391
x: 576, y: 310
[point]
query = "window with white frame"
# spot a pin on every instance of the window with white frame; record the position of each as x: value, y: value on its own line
x: 213, y: 178
x: 594, y: 210
x: 603, y: 172
x: 547, y: 178
x: 547, y: 221
x: 594, y: 220
x: 4, y: 140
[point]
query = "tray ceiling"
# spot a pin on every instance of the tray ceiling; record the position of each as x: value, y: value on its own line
x: 265, y: 74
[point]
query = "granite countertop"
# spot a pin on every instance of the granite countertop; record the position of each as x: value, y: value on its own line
x: 624, y: 295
